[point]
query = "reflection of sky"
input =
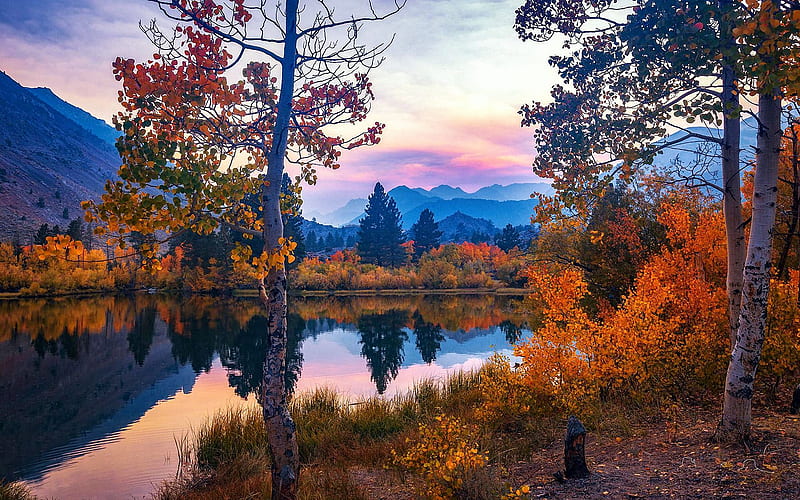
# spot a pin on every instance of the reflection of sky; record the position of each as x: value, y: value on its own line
x: 132, y: 460
x: 128, y: 462
x: 333, y: 359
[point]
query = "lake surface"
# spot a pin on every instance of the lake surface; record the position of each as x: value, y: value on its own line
x: 95, y: 391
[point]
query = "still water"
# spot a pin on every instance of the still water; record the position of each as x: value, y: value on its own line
x: 95, y: 391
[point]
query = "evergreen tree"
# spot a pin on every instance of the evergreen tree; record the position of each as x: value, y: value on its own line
x: 311, y: 241
x: 41, y: 235
x: 75, y: 230
x: 426, y: 234
x: 508, y: 239
x: 380, y: 234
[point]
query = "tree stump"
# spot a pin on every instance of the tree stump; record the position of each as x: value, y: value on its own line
x: 795, y: 408
x: 575, y: 450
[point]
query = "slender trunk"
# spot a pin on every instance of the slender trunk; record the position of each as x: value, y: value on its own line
x: 736, y: 413
x: 782, y: 270
x: 732, y: 198
x: 281, y: 429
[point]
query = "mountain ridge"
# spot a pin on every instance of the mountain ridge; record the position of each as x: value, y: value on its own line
x: 49, y: 164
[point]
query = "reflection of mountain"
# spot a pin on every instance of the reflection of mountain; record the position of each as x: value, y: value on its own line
x: 181, y: 379
x: 46, y: 401
x: 69, y: 367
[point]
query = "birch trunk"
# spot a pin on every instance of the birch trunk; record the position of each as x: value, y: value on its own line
x: 736, y: 413
x: 280, y: 428
x: 732, y: 199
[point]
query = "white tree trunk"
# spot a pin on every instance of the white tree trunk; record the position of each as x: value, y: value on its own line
x: 732, y: 199
x: 736, y: 413
x: 280, y: 428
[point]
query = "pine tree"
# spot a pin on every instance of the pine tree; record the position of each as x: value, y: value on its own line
x: 508, y: 239
x: 41, y: 235
x: 75, y: 229
x: 379, y: 232
x: 426, y: 234
x: 311, y: 241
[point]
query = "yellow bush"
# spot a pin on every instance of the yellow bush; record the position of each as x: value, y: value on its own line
x: 445, y: 455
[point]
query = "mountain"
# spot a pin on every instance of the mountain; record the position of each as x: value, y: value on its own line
x: 702, y: 158
x: 491, y: 202
x: 353, y: 209
x: 48, y: 163
x: 518, y: 191
x: 446, y: 192
x: 499, y: 213
x: 88, y: 122
x: 458, y: 226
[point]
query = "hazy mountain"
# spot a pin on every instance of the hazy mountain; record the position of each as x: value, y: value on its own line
x: 353, y: 209
x: 703, y: 158
x: 448, y: 200
x: 459, y: 227
x: 446, y: 192
x: 88, y: 122
x: 500, y: 213
x: 518, y: 191
x: 48, y: 163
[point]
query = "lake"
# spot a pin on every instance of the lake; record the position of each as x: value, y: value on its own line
x: 95, y: 391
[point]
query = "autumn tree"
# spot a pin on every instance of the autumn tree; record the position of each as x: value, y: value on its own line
x: 425, y: 233
x: 770, y: 30
x: 629, y: 79
x: 194, y: 143
x: 380, y: 233
x: 787, y: 228
x: 633, y: 71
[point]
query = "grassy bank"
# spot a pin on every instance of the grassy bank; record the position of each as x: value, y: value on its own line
x: 370, y: 445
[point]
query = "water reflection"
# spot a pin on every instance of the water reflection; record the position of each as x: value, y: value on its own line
x: 78, y: 370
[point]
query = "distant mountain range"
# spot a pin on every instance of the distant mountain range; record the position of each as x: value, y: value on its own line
x: 501, y: 205
x: 51, y: 159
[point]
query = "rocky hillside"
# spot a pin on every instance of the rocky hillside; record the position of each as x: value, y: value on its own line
x: 48, y: 163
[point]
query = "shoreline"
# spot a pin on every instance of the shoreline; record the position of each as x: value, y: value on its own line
x: 243, y: 292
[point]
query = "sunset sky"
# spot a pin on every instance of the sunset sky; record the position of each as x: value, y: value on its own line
x: 448, y: 91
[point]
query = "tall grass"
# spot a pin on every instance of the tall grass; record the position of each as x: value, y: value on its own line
x: 15, y: 491
x: 332, y: 432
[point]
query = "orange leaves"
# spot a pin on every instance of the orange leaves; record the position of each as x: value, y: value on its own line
x: 668, y: 334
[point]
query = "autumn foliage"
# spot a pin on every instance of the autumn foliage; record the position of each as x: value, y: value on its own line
x: 463, y: 265
x: 666, y: 340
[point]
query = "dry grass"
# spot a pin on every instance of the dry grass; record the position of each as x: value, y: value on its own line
x: 15, y: 491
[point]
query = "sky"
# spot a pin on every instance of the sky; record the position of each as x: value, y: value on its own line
x: 448, y: 91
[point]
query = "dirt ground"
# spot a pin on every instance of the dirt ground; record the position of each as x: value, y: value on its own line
x: 677, y: 460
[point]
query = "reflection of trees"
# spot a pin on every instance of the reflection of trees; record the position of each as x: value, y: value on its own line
x: 451, y: 312
x: 65, y: 346
x: 140, y: 337
x: 198, y: 342
x: 243, y: 353
x: 511, y: 330
x: 429, y: 338
x: 382, y: 339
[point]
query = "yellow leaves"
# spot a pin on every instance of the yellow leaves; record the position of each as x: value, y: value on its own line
x: 269, y: 260
x: 444, y: 454
x: 521, y: 492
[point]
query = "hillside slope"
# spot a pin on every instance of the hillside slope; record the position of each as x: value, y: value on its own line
x: 48, y: 164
